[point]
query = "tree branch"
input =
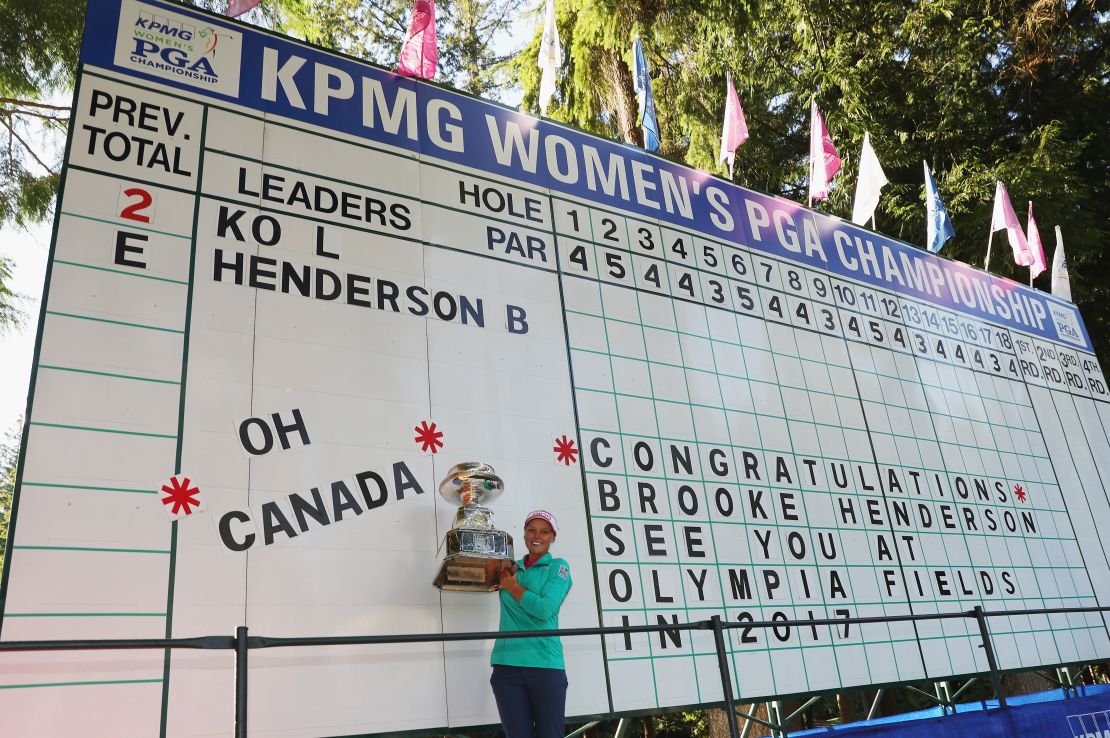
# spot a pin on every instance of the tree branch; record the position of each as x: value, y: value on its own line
x: 43, y: 116
x: 25, y: 145
x: 31, y: 104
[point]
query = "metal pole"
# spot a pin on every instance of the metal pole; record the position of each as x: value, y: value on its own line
x: 747, y: 729
x: 944, y: 696
x: 961, y: 690
x: 726, y: 677
x: 1063, y: 674
x: 875, y: 704
x: 780, y: 731
x: 988, y: 649
x: 808, y: 704
x: 241, y: 682
x: 583, y: 729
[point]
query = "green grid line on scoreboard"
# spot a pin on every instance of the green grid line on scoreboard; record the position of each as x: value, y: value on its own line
x: 817, y: 423
x: 995, y: 425
x: 960, y: 329
x: 756, y: 348
x: 991, y: 551
x: 610, y: 356
x: 983, y: 418
x: 824, y: 603
x: 94, y: 277
x: 782, y: 325
x: 979, y: 467
x: 794, y: 488
x: 788, y: 526
x: 650, y: 362
x: 1030, y: 631
x: 643, y: 596
x: 966, y: 327
x: 797, y: 527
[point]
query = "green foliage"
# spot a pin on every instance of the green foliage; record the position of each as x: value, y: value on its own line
x: 374, y: 30
x: 1014, y: 90
x: 10, y: 315
x: 38, y: 46
x: 38, y: 57
x: 9, y: 455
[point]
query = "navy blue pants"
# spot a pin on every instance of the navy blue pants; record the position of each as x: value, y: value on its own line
x: 531, y: 702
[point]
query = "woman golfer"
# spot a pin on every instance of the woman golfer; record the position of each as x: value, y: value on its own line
x: 529, y: 679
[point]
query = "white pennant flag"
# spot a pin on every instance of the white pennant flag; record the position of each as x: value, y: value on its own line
x: 1036, y: 248
x: 551, y: 53
x: 871, y: 181
x: 1061, y: 283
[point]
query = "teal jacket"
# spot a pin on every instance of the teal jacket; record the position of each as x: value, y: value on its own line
x: 546, y: 583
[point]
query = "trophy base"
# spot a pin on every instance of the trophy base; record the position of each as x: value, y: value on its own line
x: 469, y: 575
x: 473, y: 560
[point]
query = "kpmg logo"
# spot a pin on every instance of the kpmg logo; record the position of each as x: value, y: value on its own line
x: 1067, y: 327
x: 1090, y: 725
x: 179, y: 47
x: 162, y: 28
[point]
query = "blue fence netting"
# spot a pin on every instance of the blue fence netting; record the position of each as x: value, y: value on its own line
x: 1041, y: 715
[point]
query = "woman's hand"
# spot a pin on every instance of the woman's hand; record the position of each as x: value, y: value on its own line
x: 509, y: 582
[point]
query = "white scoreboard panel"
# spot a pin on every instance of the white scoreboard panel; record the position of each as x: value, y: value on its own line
x: 289, y: 290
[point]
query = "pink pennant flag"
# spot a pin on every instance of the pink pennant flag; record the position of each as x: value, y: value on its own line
x: 824, y: 162
x: 735, y: 130
x: 420, y: 53
x: 236, y: 8
x: 1036, y: 248
x: 1005, y: 217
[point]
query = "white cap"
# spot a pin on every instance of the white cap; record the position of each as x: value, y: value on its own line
x: 542, y: 515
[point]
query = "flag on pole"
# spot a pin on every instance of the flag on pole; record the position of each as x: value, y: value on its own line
x: 824, y: 162
x: 1005, y: 217
x: 236, y: 8
x: 551, y: 53
x: 642, y: 85
x: 1061, y: 283
x: 735, y: 130
x: 871, y: 181
x: 939, y: 226
x: 419, y: 53
x: 1036, y: 249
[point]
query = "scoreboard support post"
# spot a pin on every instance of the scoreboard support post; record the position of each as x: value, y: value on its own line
x: 726, y: 678
x: 242, y: 649
x: 988, y: 650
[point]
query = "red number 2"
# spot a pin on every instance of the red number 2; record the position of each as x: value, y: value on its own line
x: 134, y: 210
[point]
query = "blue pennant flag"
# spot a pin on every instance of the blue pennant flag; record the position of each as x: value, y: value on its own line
x: 642, y: 83
x: 939, y: 224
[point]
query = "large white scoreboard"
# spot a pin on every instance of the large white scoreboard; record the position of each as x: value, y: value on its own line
x: 288, y: 291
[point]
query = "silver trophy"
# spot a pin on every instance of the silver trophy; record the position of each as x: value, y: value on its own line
x: 475, y: 549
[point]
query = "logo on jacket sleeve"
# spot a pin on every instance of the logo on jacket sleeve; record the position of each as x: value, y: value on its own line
x: 564, y: 572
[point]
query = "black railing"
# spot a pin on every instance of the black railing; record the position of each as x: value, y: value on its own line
x: 242, y: 643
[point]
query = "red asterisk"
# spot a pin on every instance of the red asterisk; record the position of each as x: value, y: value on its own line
x: 181, y: 496
x: 565, y: 450
x: 1019, y: 492
x: 428, y: 437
